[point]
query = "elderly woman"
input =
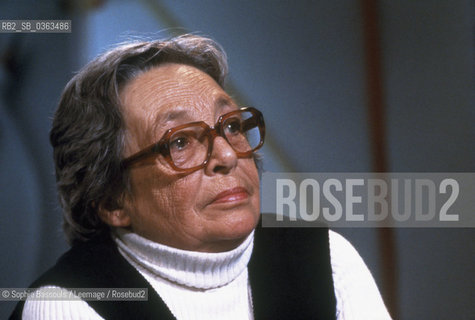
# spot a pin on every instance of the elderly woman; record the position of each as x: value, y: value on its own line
x: 157, y: 176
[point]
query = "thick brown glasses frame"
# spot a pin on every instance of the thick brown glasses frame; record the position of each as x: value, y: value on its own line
x: 162, y: 146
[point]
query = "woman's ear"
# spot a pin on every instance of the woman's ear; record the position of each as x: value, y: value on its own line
x: 115, y: 217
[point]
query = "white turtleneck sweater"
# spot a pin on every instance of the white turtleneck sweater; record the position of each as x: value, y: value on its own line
x: 192, y: 283
x: 196, y: 285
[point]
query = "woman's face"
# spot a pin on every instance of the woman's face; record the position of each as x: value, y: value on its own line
x: 212, y: 209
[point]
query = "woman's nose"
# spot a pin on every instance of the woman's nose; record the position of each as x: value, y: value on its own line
x: 223, y: 157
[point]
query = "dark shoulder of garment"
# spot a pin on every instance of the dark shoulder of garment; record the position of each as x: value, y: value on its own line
x: 98, y: 264
x: 289, y: 272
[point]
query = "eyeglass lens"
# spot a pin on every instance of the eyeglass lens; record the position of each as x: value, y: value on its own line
x: 189, y: 146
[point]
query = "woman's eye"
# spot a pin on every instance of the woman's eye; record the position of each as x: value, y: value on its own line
x: 233, y: 126
x: 179, y: 143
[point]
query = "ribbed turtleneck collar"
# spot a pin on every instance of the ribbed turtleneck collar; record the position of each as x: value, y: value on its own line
x: 192, y: 269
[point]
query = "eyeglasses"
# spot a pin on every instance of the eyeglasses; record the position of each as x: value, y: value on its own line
x: 188, y: 147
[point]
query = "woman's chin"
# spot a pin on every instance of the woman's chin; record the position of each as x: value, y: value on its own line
x: 232, y: 232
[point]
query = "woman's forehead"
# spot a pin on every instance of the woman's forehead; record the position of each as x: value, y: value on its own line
x: 173, y: 94
x: 171, y: 86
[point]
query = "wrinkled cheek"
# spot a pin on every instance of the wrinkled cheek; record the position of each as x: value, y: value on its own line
x: 142, y: 200
x: 255, y: 182
x: 187, y: 190
x: 256, y: 205
x: 254, y: 178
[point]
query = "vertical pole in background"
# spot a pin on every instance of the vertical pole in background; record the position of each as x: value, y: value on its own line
x: 377, y: 135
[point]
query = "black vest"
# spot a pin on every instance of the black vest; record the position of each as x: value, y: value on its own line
x: 289, y: 272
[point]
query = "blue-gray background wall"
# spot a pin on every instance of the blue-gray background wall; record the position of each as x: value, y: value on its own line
x: 302, y: 64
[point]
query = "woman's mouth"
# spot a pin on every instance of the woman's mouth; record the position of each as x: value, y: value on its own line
x: 231, y: 195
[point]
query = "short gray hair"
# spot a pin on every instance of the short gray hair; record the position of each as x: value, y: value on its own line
x: 88, y: 128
